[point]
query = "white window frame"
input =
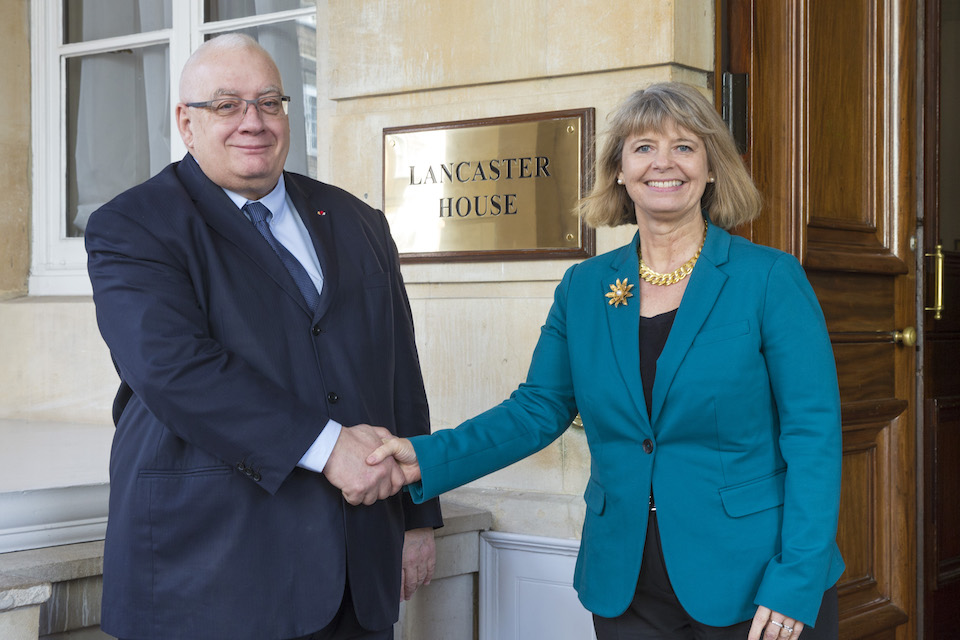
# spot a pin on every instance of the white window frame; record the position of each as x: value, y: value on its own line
x: 58, y: 264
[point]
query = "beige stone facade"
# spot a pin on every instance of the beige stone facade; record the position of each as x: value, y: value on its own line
x: 388, y: 64
x: 14, y: 149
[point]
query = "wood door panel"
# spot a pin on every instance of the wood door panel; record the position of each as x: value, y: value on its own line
x: 832, y: 149
x: 864, y: 370
x: 857, y: 504
x: 846, y: 223
x: 946, y: 493
x: 941, y: 361
x: 942, y: 508
x: 822, y: 255
x: 854, y: 303
x: 865, y: 605
x: 840, y: 96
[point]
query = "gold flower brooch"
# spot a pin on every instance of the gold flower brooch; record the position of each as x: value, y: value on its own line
x: 619, y: 293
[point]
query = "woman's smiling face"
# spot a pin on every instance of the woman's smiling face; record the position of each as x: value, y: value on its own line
x: 665, y: 173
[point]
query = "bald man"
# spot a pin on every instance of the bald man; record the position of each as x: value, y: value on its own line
x: 260, y: 326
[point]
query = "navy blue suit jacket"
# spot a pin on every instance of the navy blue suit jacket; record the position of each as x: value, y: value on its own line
x: 226, y: 380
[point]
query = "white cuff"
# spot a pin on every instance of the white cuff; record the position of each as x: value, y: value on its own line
x: 315, y: 459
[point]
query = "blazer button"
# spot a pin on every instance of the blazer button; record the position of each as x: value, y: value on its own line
x: 316, y: 330
x: 332, y: 398
x: 648, y: 446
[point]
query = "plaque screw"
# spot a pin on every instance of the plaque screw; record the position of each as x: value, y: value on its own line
x: 571, y: 128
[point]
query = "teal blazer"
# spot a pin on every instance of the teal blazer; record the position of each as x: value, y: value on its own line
x: 742, y: 450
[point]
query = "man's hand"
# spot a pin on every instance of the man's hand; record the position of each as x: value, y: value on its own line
x: 419, y: 560
x: 402, y: 452
x: 362, y: 483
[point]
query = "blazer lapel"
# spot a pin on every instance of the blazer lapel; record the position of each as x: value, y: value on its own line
x: 220, y: 213
x: 624, y: 324
x: 319, y: 223
x: 702, y: 292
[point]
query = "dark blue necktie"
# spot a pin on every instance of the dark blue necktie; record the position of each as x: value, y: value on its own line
x: 260, y: 216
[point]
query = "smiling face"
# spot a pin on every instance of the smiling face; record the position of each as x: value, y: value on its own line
x: 665, y: 173
x: 244, y: 155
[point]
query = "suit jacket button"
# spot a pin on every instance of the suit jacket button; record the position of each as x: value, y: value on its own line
x: 255, y: 476
x: 648, y: 445
x: 316, y: 330
x: 332, y: 398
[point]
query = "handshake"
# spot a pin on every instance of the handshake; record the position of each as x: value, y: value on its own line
x: 370, y: 463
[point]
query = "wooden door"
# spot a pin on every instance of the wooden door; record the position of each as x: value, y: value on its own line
x: 941, y: 327
x: 832, y: 144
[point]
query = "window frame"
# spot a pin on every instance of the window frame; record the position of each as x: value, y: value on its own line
x: 58, y: 264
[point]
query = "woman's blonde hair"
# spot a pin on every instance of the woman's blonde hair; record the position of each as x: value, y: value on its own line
x: 730, y: 201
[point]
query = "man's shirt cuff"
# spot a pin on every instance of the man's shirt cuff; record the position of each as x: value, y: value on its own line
x: 315, y: 459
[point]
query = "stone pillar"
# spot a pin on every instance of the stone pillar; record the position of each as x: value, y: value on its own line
x: 20, y: 608
x: 51, y: 591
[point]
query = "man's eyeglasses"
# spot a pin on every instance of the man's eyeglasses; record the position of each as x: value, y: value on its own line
x: 236, y: 108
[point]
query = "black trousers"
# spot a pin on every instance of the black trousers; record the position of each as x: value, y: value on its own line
x: 344, y: 625
x: 656, y: 614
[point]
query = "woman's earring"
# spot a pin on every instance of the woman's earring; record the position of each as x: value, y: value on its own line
x: 619, y: 180
x: 711, y: 179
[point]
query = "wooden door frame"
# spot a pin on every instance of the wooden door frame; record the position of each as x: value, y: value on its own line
x: 929, y: 160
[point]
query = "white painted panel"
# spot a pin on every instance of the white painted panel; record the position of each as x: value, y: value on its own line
x: 526, y: 589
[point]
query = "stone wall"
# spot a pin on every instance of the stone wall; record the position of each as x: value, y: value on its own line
x: 14, y: 148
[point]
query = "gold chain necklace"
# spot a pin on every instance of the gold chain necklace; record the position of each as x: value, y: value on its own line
x: 666, y: 279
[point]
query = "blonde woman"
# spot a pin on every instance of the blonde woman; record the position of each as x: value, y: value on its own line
x: 702, y: 370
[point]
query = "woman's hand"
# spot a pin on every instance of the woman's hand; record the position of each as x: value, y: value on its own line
x: 402, y: 451
x: 770, y: 625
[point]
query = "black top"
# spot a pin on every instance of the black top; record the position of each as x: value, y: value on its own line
x: 653, y: 335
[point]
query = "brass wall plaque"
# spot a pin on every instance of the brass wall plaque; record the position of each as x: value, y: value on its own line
x: 492, y: 189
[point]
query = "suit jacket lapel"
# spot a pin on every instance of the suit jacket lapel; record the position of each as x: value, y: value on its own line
x: 219, y: 212
x: 701, y: 294
x: 624, y: 324
x: 319, y: 223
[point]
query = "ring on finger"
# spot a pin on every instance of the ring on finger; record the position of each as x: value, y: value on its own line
x: 779, y: 624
